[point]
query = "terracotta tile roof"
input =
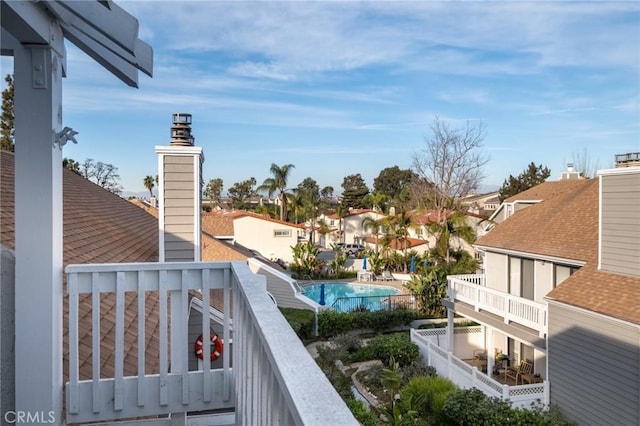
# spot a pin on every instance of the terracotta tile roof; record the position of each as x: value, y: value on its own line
x: 352, y: 212
x: 398, y: 244
x: 213, y: 218
x: 565, y: 225
x: 98, y: 227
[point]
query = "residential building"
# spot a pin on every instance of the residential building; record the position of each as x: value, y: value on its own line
x: 118, y: 331
x: 271, y: 238
x: 560, y: 291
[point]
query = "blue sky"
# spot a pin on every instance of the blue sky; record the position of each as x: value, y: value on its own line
x: 338, y: 88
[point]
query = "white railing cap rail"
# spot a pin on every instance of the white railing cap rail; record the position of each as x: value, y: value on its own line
x: 316, y: 401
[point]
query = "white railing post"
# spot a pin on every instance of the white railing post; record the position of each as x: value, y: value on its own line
x: 38, y: 226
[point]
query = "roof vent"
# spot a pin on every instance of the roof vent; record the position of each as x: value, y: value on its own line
x: 181, y: 130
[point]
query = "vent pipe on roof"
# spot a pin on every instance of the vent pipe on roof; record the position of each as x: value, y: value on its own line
x: 570, y: 173
x: 181, y: 130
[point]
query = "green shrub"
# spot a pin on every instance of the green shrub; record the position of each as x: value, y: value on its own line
x: 361, y: 413
x: 466, y: 407
x: 348, y: 343
x: 385, y: 347
x: 416, y: 369
x: 435, y: 391
x: 331, y: 323
x: 301, y: 321
x: 472, y: 407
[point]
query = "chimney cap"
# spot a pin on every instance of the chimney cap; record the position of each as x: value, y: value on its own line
x: 181, y: 118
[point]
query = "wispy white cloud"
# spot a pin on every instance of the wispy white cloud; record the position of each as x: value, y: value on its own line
x: 283, y: 40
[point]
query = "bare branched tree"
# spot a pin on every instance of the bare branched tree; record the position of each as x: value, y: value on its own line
x: 102, y: 174
x: 584, y: 163
x: 452, y: 160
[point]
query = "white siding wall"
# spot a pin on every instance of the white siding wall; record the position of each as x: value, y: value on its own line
x: 543, y: 272
x: 496, y: 271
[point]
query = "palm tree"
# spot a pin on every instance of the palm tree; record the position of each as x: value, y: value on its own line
x: 369, y: 223
x: 453, y: 225
x: 398, y: 231
x: 340, y: 211
x: 148, y: 183
x: 278, y: 183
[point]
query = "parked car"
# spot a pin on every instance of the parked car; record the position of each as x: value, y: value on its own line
x: 352, y: 249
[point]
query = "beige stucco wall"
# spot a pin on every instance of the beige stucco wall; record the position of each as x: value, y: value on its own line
x: 258, y: 234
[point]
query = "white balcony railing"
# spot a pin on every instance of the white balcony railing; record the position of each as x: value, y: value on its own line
x: 472, y: 289
x: 273, y: 379
x: 467, y: 376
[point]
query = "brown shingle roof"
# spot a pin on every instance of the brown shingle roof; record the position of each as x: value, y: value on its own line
x: 547, y: 190
x: 214, y: 250
x: 565, y: 225
x: 609, y: 294
x: 98, y: 227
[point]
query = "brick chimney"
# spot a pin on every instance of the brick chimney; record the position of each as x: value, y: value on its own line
x: 179, y: 194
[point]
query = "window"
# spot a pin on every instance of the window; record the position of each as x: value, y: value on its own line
x: 282, y: 233
x: 509, y: 209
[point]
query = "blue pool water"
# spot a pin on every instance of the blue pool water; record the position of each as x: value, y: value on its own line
x: 336, y: 290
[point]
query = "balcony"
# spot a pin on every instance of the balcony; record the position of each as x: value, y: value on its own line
x: 472, y: 290
x: 467, y: 376
x: 269, y: 378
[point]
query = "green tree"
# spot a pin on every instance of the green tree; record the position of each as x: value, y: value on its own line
x: 339, y: 259
x: 533, y: 175
x: 392, y: 182
x: 377, y: 201
x: 305, y: 259
x: 240, y: 192
x: 354, y: 192
x: 327, y: 194
x: 213, y: 190
x: 429, y: 289
x: 311, y: 201
x: 398, y: 227
x: 374, y: 225
x: 7, y: 130
x: 72, y: 165
x: 149, y: 184
x: 277, y: 183
x: 454, y: 226
x: 391, y: 379
x: 340, y: 212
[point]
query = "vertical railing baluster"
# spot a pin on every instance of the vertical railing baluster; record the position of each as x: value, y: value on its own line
x: 118, y: 382
x: 184, y: 335
x: 95, y: 341
x: 164, y: 347
x: 205, y: 326
x: 142, y: 313
x: 226, y: 364
x: 73, y: 395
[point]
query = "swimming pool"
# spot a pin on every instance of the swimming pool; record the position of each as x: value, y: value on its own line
x: 366, y: 296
